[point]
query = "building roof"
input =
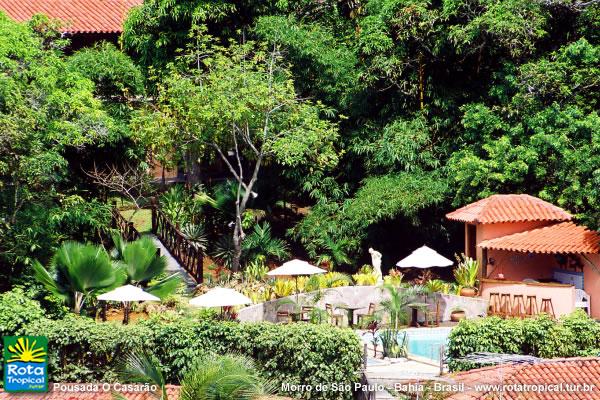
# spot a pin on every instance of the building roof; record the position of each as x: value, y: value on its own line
x: 172, y: 392
x: 576, y: 371
x: 509, y: 208
x: 77, y: 16
x: 565, y: 237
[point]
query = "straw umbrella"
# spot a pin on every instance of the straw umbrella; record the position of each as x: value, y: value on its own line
x: 126, y: 294
x: 296, y: 268
x: 220, y: 297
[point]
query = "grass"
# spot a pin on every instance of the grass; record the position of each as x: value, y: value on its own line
x: 142, y: 220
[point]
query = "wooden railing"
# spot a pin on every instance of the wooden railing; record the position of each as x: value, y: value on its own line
x: 126, y: 228
x: 189, y: 256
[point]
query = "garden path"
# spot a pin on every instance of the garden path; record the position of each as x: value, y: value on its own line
x: 173, y: 266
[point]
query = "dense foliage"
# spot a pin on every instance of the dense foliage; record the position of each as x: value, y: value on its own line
x: 437, y: 103
x: 574, y: 335
x: 82, y: 350
x: 51, y: 118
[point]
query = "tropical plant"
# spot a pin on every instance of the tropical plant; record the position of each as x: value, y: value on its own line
x: 395, y: 305
x: 256, y: 270
x: 283, y: 287
x: 466, y: 272
x: 222, y: 250
x: 365, y: 279
x: 224, y: 377
x: 144, y: 267
x: 437, y: 286
x: 210, y: 377
x: 78, y: 271
x: 196, y: 234
x: 394, y: 343
x: 261, y: 243
x: 394, y: 277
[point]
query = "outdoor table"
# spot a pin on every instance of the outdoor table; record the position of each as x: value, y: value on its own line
x: 350, y: 310
x: 415, y: 308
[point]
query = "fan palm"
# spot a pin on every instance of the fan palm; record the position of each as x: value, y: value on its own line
x: 142, y: 264
x: 79, y: 270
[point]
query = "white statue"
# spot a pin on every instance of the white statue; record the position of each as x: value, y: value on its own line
x: 376, y: 261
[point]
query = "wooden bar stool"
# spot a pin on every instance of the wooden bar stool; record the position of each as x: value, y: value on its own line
x: 494, y: 306
x: 531, y: 307
x: 518, y: 306
x: 546, y: 307
x: 505, y: 305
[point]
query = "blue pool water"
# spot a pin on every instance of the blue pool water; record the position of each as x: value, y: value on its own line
x: 422, y: 342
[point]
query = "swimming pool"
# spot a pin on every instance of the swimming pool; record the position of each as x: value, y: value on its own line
x: 423, y: 343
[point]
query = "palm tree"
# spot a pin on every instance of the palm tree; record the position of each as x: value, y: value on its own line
x: 142, y: 264
x: 396, y: 305
x: 211, y: 377
x: 78, y: 271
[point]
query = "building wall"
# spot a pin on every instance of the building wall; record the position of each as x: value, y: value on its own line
x: 591, y: 283
x: 492, y: 231
x: 517, y: 266
x: 563, y: 296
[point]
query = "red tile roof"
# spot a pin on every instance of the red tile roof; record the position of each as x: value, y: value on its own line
x: 565, y: 237
x: 509, y: 208
x: 172, y: 392
x: 78, y: 16
x: 575, y: 371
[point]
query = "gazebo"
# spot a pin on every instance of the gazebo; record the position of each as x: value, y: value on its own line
x: 530, y: 250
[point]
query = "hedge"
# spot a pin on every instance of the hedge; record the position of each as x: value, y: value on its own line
x: 82, y: 350
x: 573, y: 335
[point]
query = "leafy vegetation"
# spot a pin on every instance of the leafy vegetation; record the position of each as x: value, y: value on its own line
x: 574, y: 335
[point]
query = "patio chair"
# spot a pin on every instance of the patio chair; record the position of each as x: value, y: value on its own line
x: 335, y: 319
x: 305, y: 313
x: 582, y: 300
x: 369, y: 314
x: 284, y: 317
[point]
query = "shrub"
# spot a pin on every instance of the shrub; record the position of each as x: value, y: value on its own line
x: 574, y: 335
x: 17, y: 310
x: 303, y: 354
x: 82, y: 350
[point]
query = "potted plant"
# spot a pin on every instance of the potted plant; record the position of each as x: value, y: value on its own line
x: 466, y: 276
x: 457, y: 314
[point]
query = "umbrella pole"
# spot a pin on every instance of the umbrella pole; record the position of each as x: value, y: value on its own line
x: 125, y: 312
x: 296, y: 289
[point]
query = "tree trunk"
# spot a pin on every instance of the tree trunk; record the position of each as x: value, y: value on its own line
x: 237, y: 244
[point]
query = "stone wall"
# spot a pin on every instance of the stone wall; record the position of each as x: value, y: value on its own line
x: 361, y: 296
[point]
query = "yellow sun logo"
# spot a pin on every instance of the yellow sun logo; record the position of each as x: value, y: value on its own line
x: 25, y: 351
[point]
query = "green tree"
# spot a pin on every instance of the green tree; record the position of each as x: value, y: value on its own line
x: 243, y: 108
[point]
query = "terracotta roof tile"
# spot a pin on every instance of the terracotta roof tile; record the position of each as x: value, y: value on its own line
x: 571, y: 371
x: 172, y: 392
x: 78, y: 16
x: 565, y: 237
x: 509, y: 208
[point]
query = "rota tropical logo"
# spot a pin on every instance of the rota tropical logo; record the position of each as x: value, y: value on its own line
x: 25, y: 364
